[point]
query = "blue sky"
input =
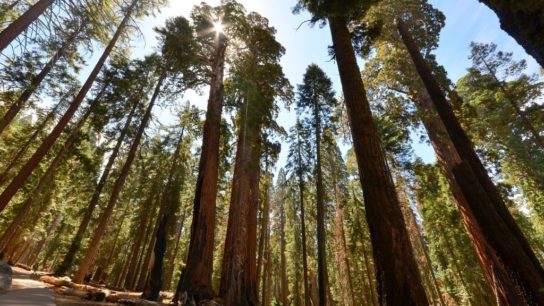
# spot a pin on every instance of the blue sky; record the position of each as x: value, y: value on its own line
x: 466, y: 21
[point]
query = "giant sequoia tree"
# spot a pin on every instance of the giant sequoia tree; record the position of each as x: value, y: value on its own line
x: 257, y: 82
x: 398, y: 277
x: 123, y: 183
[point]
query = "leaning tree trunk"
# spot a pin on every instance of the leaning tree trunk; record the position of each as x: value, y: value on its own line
x: 524, y: 22
x: 239, y: 271
x: 23, y: 149
x: 399, y: 282
x: 196, y: 279
x: 21, y: 24
x: 512, y: 266
x: 35, y: 160
x: 92, y: 250
x: 45, y: 181
x: 93, y: 203
x: 36, y: 81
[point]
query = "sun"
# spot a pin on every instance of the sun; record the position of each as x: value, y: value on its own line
x: 218, y: 26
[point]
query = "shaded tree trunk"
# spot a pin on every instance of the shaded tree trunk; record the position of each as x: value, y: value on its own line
x: 196, y: 278
x: 117, y: 188
x: 168, y: 208
x: 21, y: 24
x: 523, y: 22
x: 509, y: 262
x: 399, y: 282
x: 35, y: 160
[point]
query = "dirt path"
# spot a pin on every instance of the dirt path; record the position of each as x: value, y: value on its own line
x: 27, y: 292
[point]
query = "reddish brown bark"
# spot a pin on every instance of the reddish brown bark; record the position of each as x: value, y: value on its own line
x: 48, y: 176
x: 399, y: 282
x: 341, y: 251
x: 22, y: 150
x: 35, y: 160
x: 509, y: 262
x: 22, y: 23
x: 239, y: 270
x: 196, y: 279
x: 116, y: 190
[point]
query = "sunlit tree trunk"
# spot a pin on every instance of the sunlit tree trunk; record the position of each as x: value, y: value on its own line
x: 35, y: 82
x: 196, y: 278
x: 22, y: 149
x: 116, y: 190
x: 509, y: 262
x: 239, y: 270
x: 21, y: 24
x: 35, y: 160
x: 45, y: 181
x: 399, y: 282
x: 93, y: 203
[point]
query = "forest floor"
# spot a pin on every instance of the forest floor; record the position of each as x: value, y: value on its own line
x: 26, y: 291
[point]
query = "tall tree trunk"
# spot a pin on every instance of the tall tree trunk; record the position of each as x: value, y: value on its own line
x: 323, y: 277
x: 34, y: 161
x: 139, y: 240
x: 169, y: 198
x: 172, y: 254
x: 153, y: 288
x: 341, y: 252
x: 38, y: 249
x: 239, y: 271
x: 284, y: 282
x: 523, y: 23
x: 92, y: 249
x: 22, y: 150
x: 303, y: 229
x: 45, y: 181
x: 264, y: 234
x: 21, y: 24
x: 512, y: 265
x: 419, y: 245
x: 36, y: 81
x: 93, y: 203
x: 399, y: 282
x: 196, y: 278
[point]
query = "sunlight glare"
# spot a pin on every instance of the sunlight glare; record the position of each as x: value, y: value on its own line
x: 218, y: 26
